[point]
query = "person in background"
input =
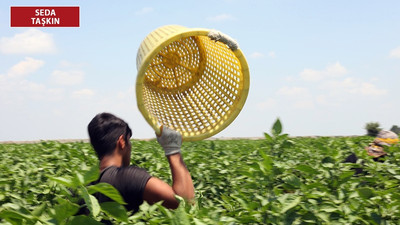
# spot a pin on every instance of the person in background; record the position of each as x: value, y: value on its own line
x: 376, y: 149
x: 384, y: 138
x: 110, y: 138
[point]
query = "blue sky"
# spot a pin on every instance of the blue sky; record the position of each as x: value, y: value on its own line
x: 322, y: 67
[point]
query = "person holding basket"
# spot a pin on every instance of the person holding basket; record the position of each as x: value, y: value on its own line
x: 110, y: 138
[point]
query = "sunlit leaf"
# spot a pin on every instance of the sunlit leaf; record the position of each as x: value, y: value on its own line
x: 63, y: 181
x: 91, y: 202
x: 65, y: 209
x: 115, y: 210
x: 289, y: 205
x: 365, y: 192
x: 180, y: 216
x: 268, y: 137
x: 277, y: 128
x: 292, y: 180
x: 12, y: 214
x: 91, y: 175
x: 107, y: 190
x: 80, y: 220
x: 307, y: 169
x: 39, y: 209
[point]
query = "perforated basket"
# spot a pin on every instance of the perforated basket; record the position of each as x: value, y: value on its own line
x: 195, y: 81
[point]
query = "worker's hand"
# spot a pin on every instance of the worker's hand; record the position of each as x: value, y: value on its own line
x: 170, y: 140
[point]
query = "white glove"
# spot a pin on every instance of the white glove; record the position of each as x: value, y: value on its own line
x: 170, y: 140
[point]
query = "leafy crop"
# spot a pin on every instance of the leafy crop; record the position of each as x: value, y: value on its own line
x: 277, y: 180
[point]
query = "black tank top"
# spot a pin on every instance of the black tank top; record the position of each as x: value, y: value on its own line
x: 129, y: 181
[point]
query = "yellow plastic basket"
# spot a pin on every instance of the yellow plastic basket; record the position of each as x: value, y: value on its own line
x: 195, y: 81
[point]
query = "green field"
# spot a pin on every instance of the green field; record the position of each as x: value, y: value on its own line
x: 277, y: 180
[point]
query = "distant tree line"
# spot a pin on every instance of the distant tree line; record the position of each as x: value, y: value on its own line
x: 373, y: 129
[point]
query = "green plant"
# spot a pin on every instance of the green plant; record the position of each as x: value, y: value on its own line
x: 277, y: 141
x: 395, y: 129
x: 277, y: 180
x: 373, y: 129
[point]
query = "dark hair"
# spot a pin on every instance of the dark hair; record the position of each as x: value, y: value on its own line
x: 104, y: 131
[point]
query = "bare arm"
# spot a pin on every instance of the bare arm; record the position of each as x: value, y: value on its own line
x: 157, y: 190
x: 181, y: 180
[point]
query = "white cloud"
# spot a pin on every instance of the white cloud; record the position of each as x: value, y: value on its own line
x: 29, y: 65
x: 68, y: 64
x: 16, y: 89
x: 257, y: 55
x: 336, y: 70
x: 322, y: 99
x: 368, y: 89
x: 71, y: 77
x: 331, y: 71
x: 296, y: 97
x: 270, y: 103
x: 395, y: 53
x: 311, y: 75
x: 347, y: 83
x: 374, y: 79
x: 353, y: 86
x: 304, y: 104
x: 128, y: 94
x: 84, y: 93
x: 143, y: 11
x: 290, y: 79
x: 32, y: 41
x: 293, y: 91
x: 271, y: 54
x: 221, y: 18
x: 329, y: 89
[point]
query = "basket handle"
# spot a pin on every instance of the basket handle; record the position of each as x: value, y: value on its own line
x: 218, y: 36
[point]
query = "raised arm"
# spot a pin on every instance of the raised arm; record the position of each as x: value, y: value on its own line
x: 157, y: 190
x: 181, y: 180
